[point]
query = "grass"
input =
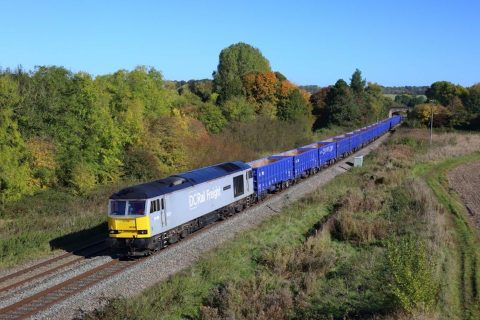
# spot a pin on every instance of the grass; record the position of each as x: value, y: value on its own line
x: 50, y: 220
x: 468, y: 279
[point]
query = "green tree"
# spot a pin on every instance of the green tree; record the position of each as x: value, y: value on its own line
x: 146, y: 85
x: 294, y: 107
x: 318, y: 101
x: 280, y: 77
x: 202, y: 88
x: 413, y: 283
x: 212, y: 118
x: 127, y: 109
x: 357, y: 84
x: 234, y: 62
x: 89, y: 142
x: 473, y: 100
x: 444, y: 92
x: 15, y: 173
x: 375, y: 103
x: 410, y: 100
x: 238, y: 109
x: 341, y: 108
x: 44, y: 95
x: 319, y: 107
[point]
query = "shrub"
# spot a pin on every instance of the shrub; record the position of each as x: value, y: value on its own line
x: 412, y: 273
x: 83, y: 179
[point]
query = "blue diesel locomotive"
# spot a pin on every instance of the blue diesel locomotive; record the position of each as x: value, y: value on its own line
x: 150, y: 216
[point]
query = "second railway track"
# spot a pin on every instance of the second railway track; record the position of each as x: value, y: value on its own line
x: 42, y: 300
x: 13, y: 281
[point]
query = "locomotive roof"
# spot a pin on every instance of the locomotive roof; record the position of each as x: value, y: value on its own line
x: 180, y: 181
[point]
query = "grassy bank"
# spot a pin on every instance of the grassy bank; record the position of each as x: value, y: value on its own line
x: 35, y: 226
x: 373, y: 243
x: 467, y: 255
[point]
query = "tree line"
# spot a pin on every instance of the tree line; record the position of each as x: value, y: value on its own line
x: 350, y: 104
x: 71, y: 131
x: 451, y: 105
x: 407, y: 90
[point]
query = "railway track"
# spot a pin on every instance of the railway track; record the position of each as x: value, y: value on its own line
x: 14, y: 281
x: 43, y: 300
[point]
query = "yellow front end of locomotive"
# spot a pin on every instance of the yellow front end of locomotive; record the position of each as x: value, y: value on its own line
x: 129, y: 227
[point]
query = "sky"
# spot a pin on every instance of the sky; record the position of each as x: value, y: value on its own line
x: 311, y: 42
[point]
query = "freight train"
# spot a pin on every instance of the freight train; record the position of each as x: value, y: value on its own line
x: 147, y: 217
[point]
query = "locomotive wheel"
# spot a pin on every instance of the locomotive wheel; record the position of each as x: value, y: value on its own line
x: 173, y: 238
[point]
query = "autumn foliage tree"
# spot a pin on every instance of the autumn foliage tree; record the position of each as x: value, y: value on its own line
x: 235, y: 62
x: 260, y: 87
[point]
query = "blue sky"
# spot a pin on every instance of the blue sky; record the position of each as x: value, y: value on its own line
x: 311, y: 42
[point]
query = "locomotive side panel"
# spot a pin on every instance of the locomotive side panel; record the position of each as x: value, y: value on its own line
x: 191, y: 203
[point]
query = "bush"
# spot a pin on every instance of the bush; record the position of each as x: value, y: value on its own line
x: 83, y: 179
x: 412, y: 273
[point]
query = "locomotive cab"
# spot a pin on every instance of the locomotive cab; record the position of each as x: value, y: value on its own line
x: 132, y: 222
x: 128, y: 219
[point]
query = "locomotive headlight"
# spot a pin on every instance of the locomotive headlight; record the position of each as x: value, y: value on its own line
x: 114, y: 231
x: 142, y: 231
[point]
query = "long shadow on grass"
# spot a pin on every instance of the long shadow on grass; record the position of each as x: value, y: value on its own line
x: 80, y: 242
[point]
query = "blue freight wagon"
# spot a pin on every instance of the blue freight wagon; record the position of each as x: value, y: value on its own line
x: 386, y: 126
x: 361, y: 137
x: 394, y: 121
x: 365, y: 137
x: 343, y: 145
x: 271, y: 173
x: 368, y: 134
x: 355, y: 140
x: 304, y: 160
x: 326, y: 152
x: 374, y: 131
x: 382, y: 128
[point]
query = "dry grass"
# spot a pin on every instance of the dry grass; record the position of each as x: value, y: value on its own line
x: 445, y: 144
x: 358, y: 229
x: 357, y: 216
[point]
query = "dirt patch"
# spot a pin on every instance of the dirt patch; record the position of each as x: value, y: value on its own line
x: 465, y: 180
